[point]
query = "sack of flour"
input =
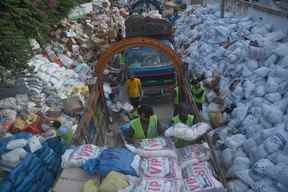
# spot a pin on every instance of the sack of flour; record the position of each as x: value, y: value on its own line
x: 78, y: 156
x: 199, y: 177
x: 158, y: 185
x: 160, y: 167
x: 156, y: 147
x: 193, y: 153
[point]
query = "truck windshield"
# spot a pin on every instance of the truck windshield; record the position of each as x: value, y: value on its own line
x: 146, y: 57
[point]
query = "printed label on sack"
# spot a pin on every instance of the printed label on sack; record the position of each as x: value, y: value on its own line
x: 157, y: 186
x: 198, y: 177
x: 85, y: 152
x: 194, y: 152
x: 153, y: 144
x: 159, y: 167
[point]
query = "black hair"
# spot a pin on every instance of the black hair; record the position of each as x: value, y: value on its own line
x: 56, y: 124
x: 146, y: 109
x: 184, y: 108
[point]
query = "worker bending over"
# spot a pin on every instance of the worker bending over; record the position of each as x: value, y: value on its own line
x: 146, y: 125
x: 183, y: 116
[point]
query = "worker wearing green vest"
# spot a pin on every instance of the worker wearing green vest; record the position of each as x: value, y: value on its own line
x: 176, y: 99
x: 176, y: 95
x: 146, y: 125
x: 122, y: 59
x: 183, y: 116
x: 198, y: 92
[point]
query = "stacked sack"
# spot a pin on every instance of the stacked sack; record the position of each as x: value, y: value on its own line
x: 158, y: 173
x: 197, y: 173
x: 13, y: 149
x: 39, y: 169
x: 84, y: 38
x: 33, y: 85
x: 59, y: 80
x: 254, y: 143
x: 164, y: 168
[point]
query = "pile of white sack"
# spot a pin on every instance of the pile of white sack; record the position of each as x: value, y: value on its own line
x: 59, y: 79
x: 253, y: 145
x: 163, y: 168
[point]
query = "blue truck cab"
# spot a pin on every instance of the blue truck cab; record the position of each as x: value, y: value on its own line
x: 154, y: 68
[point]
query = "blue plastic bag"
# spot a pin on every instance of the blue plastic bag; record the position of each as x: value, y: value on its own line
x: 6, y: 186
x: 116, y: 159
x: 22, y: 135
x: 25, y: 185
x: 56, y: 145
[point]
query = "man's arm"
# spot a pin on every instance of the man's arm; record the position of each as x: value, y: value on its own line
x: 130, y: 136
x: 140, y: 86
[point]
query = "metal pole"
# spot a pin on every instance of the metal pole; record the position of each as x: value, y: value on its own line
x: 222, y: 8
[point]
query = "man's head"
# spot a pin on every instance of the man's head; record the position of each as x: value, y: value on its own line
x: 195, y: 82
x: 132, y: 76
x: 183, y: 112
x: 145, y: 111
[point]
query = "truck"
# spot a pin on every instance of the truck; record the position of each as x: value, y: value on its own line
x: 152, y: 66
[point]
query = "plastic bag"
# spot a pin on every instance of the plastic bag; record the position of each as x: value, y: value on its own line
x: 90, y: 186
x: 17, y: 143
x: 77, y: 157
x: 281, y: 50
x: 261, y: 166
x: 272, y: 114
x: 156, y: 147
x: 113, y: 182
x: 114, y: 159
x: 34, y: 143
x: 8, y: 103
x: 239, y: 164
x: 237, y: 186
x: 152, y: 153
x: 274, y: 143
x: 184, y: 132
x: 235, y: 141
x: 160, y: 167
x: 14, y: 156
x: 9, y: 114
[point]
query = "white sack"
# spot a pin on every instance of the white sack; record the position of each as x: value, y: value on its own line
x: 184, y: 132
x: 235, y: 141
x: 272, y: 114
x: 77, y: 157
x: 17, y: 143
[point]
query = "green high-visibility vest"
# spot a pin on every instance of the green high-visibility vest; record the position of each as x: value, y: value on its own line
x: 189, y: 121
x: 68, y: 137
x: 177, y: 95
x: 139, y: 132
x: 122, y: 59
x: 134, y: 114
x: 198, y: 93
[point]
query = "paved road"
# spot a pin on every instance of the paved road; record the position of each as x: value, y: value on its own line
x: 7, y: 92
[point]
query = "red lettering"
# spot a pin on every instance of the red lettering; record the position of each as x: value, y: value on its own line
x: 155, y: 166
x: 154, y: 186
x: 192, y: 183
x: 153, y: 144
